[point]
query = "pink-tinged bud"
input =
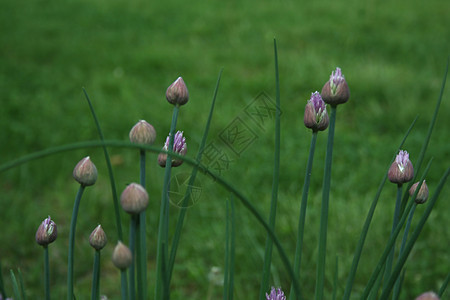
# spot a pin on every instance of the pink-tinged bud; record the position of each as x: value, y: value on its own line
x: 275, y: 294
x: 401, y: 170
x: 428, y: 296
x: 177, y: 93
x: 422, y: 195
x: 316, y: 116
x: 336, y: 91
x: 134, y: 199
x: 47, y: 232
x: 85, y: 172
x: 143, y: 133
x: 98, y: 239
x: 179, y: 147
x: 122, y: 257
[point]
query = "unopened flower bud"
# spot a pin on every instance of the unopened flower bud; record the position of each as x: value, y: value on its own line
x: 134, y: 199
x: 336, y: 91
x: 428, y: 296
x: 316, y: 116
x: 422, y: 195
x: 401, y: 170
x: 122, y: 257
x: 179, y: 147
x: 85, y: 172
x: 46, y: 232
x: 275, y: 294
x: 177, y: 93
x: 142, y: 133
x: 98, y: 239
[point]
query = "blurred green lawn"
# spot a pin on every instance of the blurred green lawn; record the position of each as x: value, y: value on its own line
x: 126, y: 53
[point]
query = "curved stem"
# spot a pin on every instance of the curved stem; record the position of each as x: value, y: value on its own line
x: 73, y: 224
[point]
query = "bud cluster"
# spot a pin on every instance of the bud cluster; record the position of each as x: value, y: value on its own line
x: 316, y: 116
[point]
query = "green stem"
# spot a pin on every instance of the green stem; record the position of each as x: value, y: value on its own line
x: 142, y: 258
x: 95, y: 293
x: 187, y: 196
x: 302, y: 217
x: 398, y: 283
x: 324, y: 210
x: 390, y: 259
x: 163, y: 227
x: 362, y: 238
x: 110, y: 171
x: 275, y: 180
x: 124, y: 284
x: 133, y: 225
x: 414, y: 236
x: 73, y: 224
x: 46, y: 274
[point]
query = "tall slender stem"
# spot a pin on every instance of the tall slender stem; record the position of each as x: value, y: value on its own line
x: 95, y: 292
x: 275, y: 181
x: 46, y: 274
x: 390, y: 259
x: 73, y: 224
x: 302, y: 217
x: 124, y: 284
x: 142, y: 258
x: 320, y: 276
x: 163, y: 227
x: 133, y: 225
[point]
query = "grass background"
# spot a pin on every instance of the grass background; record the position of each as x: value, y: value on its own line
x: 125, y: 54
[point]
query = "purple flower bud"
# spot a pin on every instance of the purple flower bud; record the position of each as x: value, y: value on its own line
x: 401, y: 170
x: 142, y: 133
x: 122, y: 257
x: 177, y: 93
x: 422, y: 195
x: 428, y: 296
x: 85, y: 172
x: 336, y: 91
x: 316, y: 116
x: 179, y: 147
x: 98, y: 239
x: 47, y: 232
x: 276, y: 294
x: 134, y: 198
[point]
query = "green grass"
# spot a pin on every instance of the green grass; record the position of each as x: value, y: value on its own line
x: 126, y: 54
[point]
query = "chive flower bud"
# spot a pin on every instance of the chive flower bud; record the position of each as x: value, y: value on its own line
x: 85, y: 172
x: 401, y: 170
x: 47, y: 232
x: 122, y: 257
x: 428, y: 296
x: 179, y: 147
x: 275, y: 294
x: 177, y: 93
x: 316, y: 116
x: 142, y: 133
x: 98, y: 239
x: 335, y: 91
x: 422, y: 195
x: 134, y: 199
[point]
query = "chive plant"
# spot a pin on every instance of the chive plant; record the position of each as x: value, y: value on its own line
x: 386, y: 277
